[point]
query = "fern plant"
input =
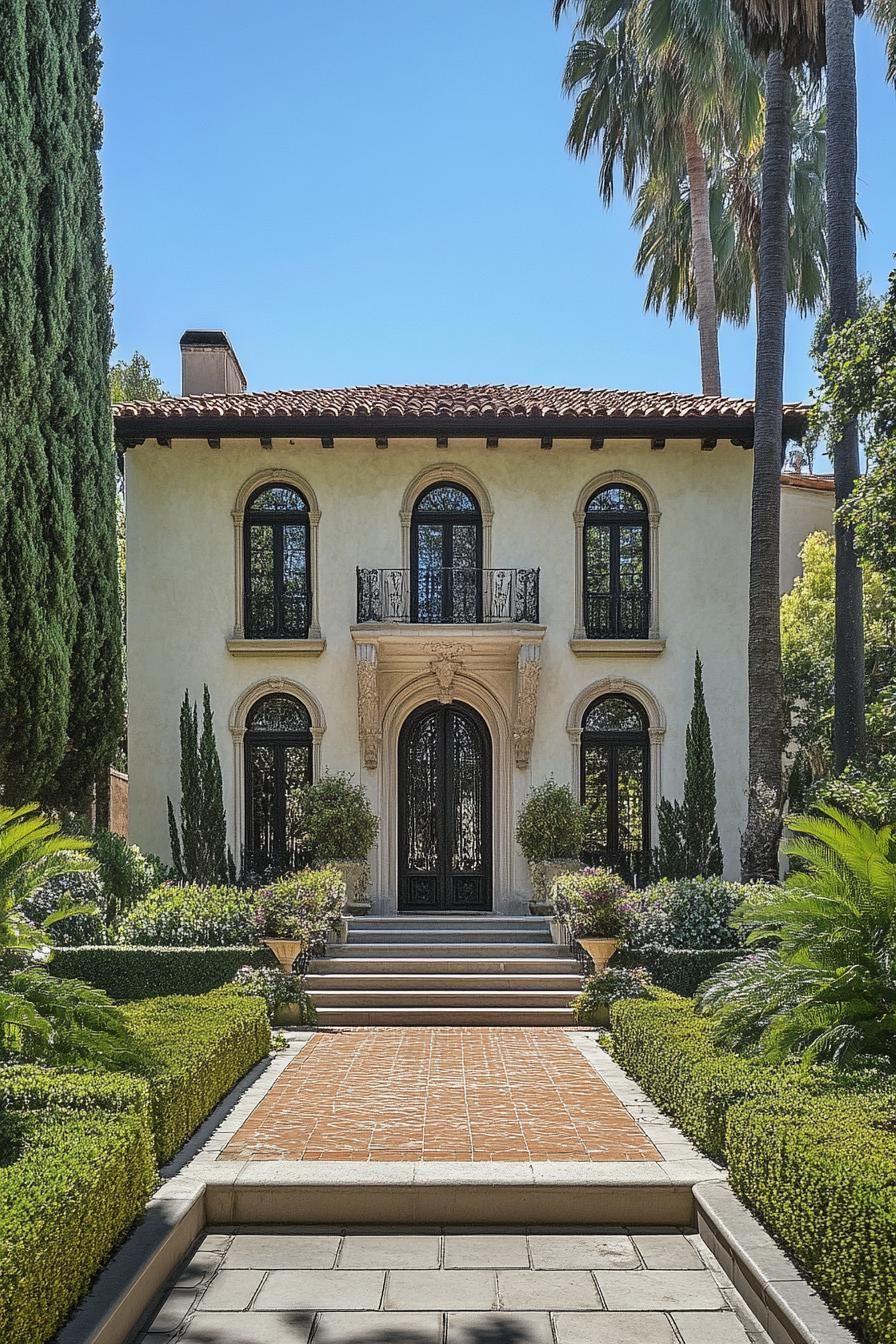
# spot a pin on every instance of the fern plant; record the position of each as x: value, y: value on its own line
x: 822, y: 983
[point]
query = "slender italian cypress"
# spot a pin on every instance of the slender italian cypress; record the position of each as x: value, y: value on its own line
x: 702, y: 844
x: 200, y: 852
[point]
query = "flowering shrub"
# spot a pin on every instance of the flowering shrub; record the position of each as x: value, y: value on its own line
x: 692, y: 912
x: 594, y: 903
x: 76, y: 889
x: 304, y: 906
x: 190, y: 916
x: 277, y: 990
x: 609, y: 986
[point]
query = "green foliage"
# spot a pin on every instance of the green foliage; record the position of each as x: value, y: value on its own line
x: 31, y: 1087
x: 200, y: 852
x: 821, y: 1174
x: 867, y: 792
x: 60, y: 1022
x: 688, y: 833
x: 551, y: 824
x: 679, y: 969
x: 33, y: 851
x: 127, y: 973
x: 338, y: 820
x: 279, y: 991
x: 60, y: 655
x: 74, y: 890
x: 80, y: 1179
x: 193, y: 1051
x: 132, y: 380
x: 824, y: 984
x: 691, y: 912
x: 607, y: 987
x: 190, y: 916
x: 594, y: 903
x: 127, y: 874
x: 304, y: 906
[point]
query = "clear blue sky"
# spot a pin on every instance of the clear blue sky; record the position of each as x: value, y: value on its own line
x: 365, y: 192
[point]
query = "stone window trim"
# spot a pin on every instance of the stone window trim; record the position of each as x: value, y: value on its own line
x: 457, y: 475
x: 656, y: 728
x: 239, y: 715
x: 653, y: 642
x: 238, y: 643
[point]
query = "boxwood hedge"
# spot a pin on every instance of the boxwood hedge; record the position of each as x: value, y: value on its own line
x: 76, y: 1169
x: 147, y: 972
x: 679, y: 969
x: 821, y: 1174
x: 194, y: 1050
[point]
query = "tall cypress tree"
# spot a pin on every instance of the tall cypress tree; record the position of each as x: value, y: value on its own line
x: 200, y: 852
x: 701, y: 832
x: 60, y: 670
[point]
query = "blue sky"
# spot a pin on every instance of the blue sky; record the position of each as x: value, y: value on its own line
x: 380, y: 192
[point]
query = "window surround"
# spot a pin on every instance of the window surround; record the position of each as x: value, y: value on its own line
x: 238, y: 644
x: 239, y: 715
x: 653, y: 644
x: 456, y: 475
x: 656, y: 728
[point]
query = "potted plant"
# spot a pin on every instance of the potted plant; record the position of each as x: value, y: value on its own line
x: 550, y: 830
x: 600, y: 991
x: 340, y: 827
x: 295, y: 914
x: 594, y: 906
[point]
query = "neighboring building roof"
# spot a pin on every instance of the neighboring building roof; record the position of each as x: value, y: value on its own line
x: 456, y: 409
x: 801, y: 482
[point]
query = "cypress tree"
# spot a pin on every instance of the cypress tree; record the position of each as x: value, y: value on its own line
x: 200, y: 852
x: 701, y: 832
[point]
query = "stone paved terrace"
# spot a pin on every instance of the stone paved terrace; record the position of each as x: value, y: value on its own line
x: 512, y: 1285
x: 410, y: 1094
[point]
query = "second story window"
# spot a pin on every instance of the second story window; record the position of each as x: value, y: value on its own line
x: 616, y: 597
x: 446, y: 557
x: 276, y: 551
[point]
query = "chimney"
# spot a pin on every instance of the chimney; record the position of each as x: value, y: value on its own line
x: 209, y: 364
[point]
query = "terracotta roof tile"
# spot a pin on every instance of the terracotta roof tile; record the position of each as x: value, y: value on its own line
x: 808, y: 482
x: 442, y: 403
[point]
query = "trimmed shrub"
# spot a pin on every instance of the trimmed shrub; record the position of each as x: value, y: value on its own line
x: 551, y: 824
x: 194, y: 1051
x: 821, y: 1174
x: 128, y: 973
x: 679, y: 969
x: 337, y: 818
x: 76, y: 1177
x: 190, y: 916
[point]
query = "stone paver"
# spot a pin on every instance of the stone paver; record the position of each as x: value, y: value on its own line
x: 410, y: 1094
x: 285, y: 1290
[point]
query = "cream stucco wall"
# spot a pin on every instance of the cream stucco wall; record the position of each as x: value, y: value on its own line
x: 803, y: 510
x: 181, y: 611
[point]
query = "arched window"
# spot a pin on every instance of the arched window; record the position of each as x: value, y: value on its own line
x: 616, y: 597
x: 615, y: 784
x: 278, y: 747
x: 276, y: 556
x: 446, y: 556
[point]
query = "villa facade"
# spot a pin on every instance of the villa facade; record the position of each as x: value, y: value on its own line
x: 450, y: 593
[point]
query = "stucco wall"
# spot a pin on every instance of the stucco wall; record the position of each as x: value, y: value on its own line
x: 803, y: 510
x: 181, y: 598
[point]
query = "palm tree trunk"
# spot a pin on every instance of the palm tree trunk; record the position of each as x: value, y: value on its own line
x: 759, y: 845
x: 702, y: 262
x: 840, y: 188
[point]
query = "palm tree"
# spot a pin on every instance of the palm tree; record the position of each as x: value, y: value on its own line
x: 660, y: 87
x: 662, y: 216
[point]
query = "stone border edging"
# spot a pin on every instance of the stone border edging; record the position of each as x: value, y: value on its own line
x: 786, y: 1306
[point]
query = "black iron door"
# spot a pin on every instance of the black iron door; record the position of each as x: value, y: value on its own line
x: 444, y: 810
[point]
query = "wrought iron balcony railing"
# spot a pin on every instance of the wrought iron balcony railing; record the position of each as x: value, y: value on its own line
x: 457, y: 596
x: 622, y: 615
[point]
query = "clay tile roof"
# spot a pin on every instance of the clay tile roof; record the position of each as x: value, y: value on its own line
x: 808, y: 482
x: 456, y: 407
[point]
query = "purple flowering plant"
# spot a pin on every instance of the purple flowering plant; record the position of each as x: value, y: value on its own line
x: 594, y: 903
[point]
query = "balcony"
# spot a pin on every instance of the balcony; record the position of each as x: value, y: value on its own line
x: 457, y: 596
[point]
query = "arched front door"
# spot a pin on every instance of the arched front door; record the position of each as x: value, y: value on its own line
x: 444, y: 810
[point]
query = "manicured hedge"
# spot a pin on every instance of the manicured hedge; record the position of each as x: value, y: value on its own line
x: 821, y: 1174
x: 147, y: 972
x: 195, y: 1049
x: 679, y: 969
x: 666, y: 1046
x: 82, y: 1169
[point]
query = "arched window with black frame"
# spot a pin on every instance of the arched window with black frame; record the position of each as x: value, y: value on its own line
x: 276, y: 557
x: 446, y: 557
x: 616, y: 598
x: 278, y: 750
x: 615, y: 785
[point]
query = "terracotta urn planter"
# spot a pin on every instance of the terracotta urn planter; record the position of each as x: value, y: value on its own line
x: 285, y: 950
x: 600, y: 950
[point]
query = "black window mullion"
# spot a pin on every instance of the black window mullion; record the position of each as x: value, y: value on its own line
x: 615, y: 584
x: 278, y: 578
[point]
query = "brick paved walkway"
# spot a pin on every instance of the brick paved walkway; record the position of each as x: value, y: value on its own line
x: 449, y: 1094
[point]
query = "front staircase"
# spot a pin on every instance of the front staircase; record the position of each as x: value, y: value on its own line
x: 454, y: 970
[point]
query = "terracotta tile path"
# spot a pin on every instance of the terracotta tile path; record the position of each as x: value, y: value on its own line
x: 449, y: 1094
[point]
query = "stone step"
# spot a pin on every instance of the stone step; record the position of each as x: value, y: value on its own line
x: 436, y: 998
x: 444, y: 964
x: 443, y: 920
x: 453, y: 950
x: 438, y: 983
x: 445, y: 1017
x: 368, y: 937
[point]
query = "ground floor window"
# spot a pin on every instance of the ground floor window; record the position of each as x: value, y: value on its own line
x: 278, y: 747
x: 615, y: 785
